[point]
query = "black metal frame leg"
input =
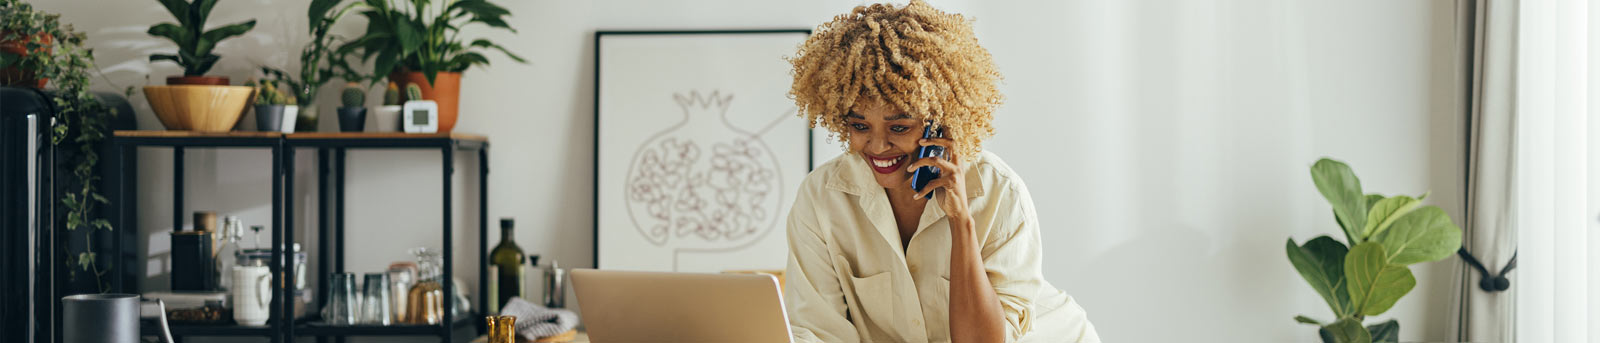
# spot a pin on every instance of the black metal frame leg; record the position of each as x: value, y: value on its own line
x: 279, y: 318
x: 449, y: 268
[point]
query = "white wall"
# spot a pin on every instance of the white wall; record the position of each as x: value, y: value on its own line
x: 1167, y: 142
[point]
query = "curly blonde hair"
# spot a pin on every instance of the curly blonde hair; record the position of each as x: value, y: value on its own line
x: 916, y: 58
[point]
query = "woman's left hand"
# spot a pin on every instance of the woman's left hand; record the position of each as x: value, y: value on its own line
x: 953, y: 199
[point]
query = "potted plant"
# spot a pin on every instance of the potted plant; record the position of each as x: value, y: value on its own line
x: 275, y: 109
x: 16, y: 45
x: 419, y: 42
x: 195, y: 101
x: 387, y: 118
x: 1386, y: 234
x: 38, y: 49
x: 353, y: 115
x: 319, y: 61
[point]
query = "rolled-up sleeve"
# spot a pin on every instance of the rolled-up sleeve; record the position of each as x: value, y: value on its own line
x: 1011, y: 258
x: 815, y: 301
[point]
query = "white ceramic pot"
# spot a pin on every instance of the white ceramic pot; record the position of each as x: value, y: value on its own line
x: 291, y: 115
x: 385, y: 119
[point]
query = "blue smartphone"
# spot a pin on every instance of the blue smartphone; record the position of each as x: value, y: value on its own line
x: 923, y: 175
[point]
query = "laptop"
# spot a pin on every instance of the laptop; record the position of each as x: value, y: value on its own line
x: 625, y: 306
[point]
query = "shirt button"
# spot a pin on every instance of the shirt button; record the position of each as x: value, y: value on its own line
x: 913, y: 269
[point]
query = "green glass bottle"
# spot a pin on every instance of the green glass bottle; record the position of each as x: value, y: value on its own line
x: 506, y: 269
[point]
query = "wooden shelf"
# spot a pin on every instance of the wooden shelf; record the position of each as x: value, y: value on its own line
x: 194, y: 134
x: 387, y: 135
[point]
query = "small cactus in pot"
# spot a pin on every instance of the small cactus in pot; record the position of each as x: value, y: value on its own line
x: 391, y: 95
x: 353, y: 112
x: 413, y: 92
x: 353, y: 95
x: 275, y: 109
x: 387, y: 118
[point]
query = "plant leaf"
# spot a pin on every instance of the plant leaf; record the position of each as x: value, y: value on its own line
x: 1426, y: 234
x: 172, y: 32
x: 201, y: 10
x: 1388, y: 331
x: 385, y: 63
x: 1321, y: 263
x: 178, y: 8
x: 319, y: 9
x: 463, y: 61
x: 85, y: 260
x: 1306, y: 320
x: 1375, y: 285
x: 211, y: 38
x: 484, y: 43
x: 410, y: 34
x: 1385, y: 212
x: 1372, y: 199
x: 1343, y: 190
x: 1347, y: 330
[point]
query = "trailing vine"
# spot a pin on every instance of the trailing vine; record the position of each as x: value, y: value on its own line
x: 81, y: 119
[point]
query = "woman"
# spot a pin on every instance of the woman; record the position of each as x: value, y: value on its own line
x: 869, y: 258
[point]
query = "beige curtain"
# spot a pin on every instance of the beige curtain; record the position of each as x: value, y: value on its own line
x: 1531, y: 183
x: 1489, y: 29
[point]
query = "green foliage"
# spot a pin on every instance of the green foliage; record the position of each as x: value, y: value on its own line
x: 413, y: 92
x: 320, y: 62
x: 1421, y: 236
x: 420, y: 35
x: 1375, y: 285
x: 1321, y: 263
x: 1345, y: 330
x: 80, y: 119
x: 1388, y: 331
x: 353, y: 95
x: 1386, y: 234
x: 1340, y: 186
x: 391, y: 95
x: 268, y: 93
x: 194, y: 42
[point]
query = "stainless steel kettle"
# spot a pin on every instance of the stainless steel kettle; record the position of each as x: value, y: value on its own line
x: 109, y: 318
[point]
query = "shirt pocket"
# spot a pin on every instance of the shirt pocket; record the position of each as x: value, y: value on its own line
x: 871, y: 300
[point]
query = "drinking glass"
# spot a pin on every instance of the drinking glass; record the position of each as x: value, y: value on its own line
x: 342, y: 300
x: 375, y: 308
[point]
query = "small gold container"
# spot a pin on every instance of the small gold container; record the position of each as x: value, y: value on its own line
x: 502, y: 329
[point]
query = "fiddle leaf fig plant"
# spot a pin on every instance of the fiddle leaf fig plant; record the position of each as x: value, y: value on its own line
x: 1385, y: 235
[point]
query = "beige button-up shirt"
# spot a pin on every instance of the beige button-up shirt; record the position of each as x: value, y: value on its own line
x: 849, y: 279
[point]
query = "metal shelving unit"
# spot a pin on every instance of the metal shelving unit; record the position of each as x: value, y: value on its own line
x: 283, y: 149
x: 331, y: 157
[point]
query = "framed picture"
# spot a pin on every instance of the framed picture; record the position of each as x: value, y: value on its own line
x: 698, y: 149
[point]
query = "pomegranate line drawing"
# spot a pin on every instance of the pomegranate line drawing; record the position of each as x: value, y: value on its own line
x: 704, y: 184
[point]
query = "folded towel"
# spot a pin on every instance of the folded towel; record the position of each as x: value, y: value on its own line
x: 534, y: 321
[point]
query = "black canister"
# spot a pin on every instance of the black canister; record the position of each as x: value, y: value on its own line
x: 193, y: 266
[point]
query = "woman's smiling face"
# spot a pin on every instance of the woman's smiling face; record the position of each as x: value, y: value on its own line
x: 886, y: 138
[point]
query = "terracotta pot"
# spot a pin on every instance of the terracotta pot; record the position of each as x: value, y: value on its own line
x: 198, y: 108
x: 446, y: 90
x: 14, y: 76
x: 197, y: 80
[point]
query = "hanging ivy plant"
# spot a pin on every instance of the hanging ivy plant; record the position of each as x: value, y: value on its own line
x: 55, y: 52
